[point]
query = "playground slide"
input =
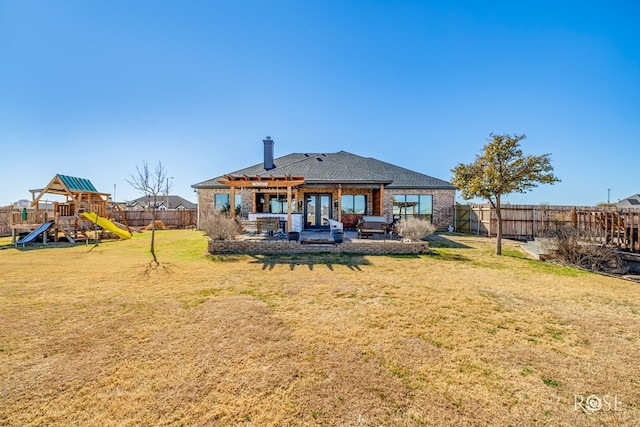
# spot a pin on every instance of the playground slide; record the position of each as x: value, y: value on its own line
x: 35, y: 233
x: 107, y: 225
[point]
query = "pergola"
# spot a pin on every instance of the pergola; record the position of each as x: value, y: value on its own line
x: 264, y: 182
x: 405, y: 205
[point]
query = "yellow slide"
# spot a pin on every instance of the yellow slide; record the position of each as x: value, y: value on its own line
x: 107, y: 225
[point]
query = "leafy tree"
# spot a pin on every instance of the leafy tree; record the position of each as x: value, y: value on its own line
x: 501, y: 169
x: 152, y: 185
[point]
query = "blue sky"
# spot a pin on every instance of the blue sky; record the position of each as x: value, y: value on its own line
x: 94, y: 88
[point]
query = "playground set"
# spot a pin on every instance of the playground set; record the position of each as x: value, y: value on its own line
x: 84, y: 209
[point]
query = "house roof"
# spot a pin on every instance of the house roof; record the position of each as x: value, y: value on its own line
x: 338, y: 168
x: 174, y: 202
x: 629, y: 202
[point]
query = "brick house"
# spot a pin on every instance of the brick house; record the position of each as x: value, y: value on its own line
x: 340, y: 186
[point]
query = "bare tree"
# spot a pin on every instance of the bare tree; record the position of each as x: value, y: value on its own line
x: 151, y: 184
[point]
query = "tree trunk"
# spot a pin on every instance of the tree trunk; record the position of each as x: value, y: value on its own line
x: 153, y: 235
x: 499, y: 234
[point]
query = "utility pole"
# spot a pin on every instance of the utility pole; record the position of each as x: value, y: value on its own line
x: 608, y: 195
x: 167, y: 195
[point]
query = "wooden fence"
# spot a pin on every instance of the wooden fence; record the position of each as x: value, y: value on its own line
x: 518, y: 221
x: 614, y: 228
x: 524, y: 222
x: 170, y: 218
x: 5, y: 222
x: 137, y: 219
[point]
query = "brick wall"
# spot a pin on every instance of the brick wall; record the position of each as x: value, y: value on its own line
x: 443, y: 208
x: 443, y: 205
x: 292, y: 247
x: 443, y: 201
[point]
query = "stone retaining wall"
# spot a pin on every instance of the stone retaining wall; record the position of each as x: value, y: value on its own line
x: 268, y: 247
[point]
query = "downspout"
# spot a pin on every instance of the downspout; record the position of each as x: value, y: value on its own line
x: 198, y: 210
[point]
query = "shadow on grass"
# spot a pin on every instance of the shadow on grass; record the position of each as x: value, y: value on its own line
x: 49, y: 245
x: 444, y: 255
x: 351, y: 261
x: 441, y: 241
x: 404, y: 256
x: 226, y: 257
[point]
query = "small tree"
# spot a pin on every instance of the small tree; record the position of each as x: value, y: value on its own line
x: 151, y: 185
x: 502, y: 169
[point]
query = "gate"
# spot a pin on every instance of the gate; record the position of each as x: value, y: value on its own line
x: 463, y: 218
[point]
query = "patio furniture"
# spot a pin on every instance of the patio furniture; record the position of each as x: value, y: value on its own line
x: 268, y: 225
x: 249, y: 226
x: 334, y: 225
x: 336, y: 230
x: 371, y: 226
x: 393, y: 230
x: 296, y: 219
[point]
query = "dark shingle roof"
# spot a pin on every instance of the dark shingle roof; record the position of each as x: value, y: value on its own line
x: 629, y: 202
x: 400, y: 177
x: 341, y: 167
x: 174, y: 202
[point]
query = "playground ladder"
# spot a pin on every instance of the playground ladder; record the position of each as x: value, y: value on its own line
x: 68, y: 231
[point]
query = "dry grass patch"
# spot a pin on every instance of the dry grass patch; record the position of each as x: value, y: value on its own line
x: 89, y: 335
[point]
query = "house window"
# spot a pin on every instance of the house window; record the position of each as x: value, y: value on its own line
x: 221, y: 202
x: 412, y: 205
x: 278, y: 204
x: 354, y: 204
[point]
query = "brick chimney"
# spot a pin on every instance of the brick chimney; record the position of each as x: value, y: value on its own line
x: 268, y: 153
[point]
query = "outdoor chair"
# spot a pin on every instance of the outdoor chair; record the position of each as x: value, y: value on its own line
x: 249, y: 226
x: 268, y: 225
x: 371, y: 227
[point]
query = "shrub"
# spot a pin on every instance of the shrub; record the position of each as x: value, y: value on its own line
x: 414, y: 229
x: 572, y: 247
x: 159, y: 225
x: 219, y: 226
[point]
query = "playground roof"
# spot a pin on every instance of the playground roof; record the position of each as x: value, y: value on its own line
x: 77, y: 184
x: 79, y: 190
x: 64, y: 184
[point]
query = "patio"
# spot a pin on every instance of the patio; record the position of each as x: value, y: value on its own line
x: 312, y: 241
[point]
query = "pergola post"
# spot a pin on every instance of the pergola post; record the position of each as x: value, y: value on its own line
x: 382, y: 200
x: 340, y: 203
x: 232, y: 202
x: 288, y: 209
